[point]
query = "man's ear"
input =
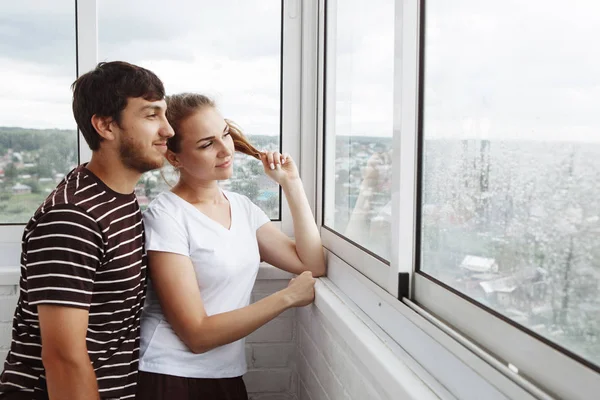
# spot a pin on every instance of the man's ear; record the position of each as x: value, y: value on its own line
x: 172, y: 158
x: 104, y: 126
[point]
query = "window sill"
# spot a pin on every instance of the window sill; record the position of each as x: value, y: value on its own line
x: 392, y: 374
x: 438, y: 360
x: 9, y: 276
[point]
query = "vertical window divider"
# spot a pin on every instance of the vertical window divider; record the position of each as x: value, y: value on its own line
x: 309, y: 100
x: 320, y: 148
x: 405, y: 143
x: 291, y: 94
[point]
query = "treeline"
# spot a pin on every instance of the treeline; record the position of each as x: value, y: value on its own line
x: 23, y: 139
x: 50, y: 151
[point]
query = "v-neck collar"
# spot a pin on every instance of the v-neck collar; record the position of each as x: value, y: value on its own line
x: 206, y: 217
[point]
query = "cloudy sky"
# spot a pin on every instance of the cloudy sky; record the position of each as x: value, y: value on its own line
x: 230, y: 51
x: 504, y: 69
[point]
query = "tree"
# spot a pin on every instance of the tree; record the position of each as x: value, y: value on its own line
x: 10, y: 171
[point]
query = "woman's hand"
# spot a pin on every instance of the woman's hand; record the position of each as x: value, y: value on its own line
x: 279, y: 167
x: 301, y: 290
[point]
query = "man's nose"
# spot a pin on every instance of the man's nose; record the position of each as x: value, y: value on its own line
x: 167, y: 130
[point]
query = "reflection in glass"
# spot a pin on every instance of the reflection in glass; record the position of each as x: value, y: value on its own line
x: 360, y: 69
x: 511, y: 163
x: 228, y: 50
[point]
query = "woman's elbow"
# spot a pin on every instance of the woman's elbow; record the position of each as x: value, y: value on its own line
x: 194, y: 337
x: 319, y: 270
x: 197, y: 346
x: 199, y: 349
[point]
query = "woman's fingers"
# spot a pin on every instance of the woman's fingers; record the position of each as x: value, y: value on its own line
x: 270, y: 161
x: 275, y: 159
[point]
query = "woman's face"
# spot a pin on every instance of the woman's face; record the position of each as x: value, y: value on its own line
x: 207, y: 149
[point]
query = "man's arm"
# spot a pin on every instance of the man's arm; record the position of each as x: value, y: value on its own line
x: 69, y: 372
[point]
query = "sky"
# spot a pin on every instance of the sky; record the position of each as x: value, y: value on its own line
x: 505, y: 69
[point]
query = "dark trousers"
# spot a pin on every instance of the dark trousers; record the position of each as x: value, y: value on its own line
x: 16, y: 396
x: 153, y: 386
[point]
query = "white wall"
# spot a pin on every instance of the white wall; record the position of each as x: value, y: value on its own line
x: 327, y: 367
x: 270, y: 351
x: 9, y: 280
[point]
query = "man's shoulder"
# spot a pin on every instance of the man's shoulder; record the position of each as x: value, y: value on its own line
x: 83, y: 196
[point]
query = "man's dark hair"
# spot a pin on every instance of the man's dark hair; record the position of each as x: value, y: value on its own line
x: 104, y: 92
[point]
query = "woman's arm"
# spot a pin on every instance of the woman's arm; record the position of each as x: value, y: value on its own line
x: 174, y: 279
x: 306, y: 252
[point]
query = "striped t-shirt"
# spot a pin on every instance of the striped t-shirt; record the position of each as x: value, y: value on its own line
x: 83, y: 248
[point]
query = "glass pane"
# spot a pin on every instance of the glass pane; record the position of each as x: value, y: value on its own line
x: 359, y: 130
x: 511, y: 165
x: 38, y: 137
x: 228, y: 50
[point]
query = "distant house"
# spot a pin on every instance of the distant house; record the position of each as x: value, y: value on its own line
x: 19, y: 188
x: 523, y: 289
x: 479, y: 264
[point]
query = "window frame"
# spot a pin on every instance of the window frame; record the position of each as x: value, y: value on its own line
x: 370, y: 264
x: 11, y: 233
x: 86, y: 25
x: 565, y: 374
x: 562, y: 376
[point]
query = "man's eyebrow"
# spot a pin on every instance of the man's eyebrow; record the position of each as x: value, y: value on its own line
x: 212, y: 137
x: 152, y: 107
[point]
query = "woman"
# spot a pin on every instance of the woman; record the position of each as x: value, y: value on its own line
x: 204, y: 248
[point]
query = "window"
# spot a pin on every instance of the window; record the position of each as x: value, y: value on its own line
x: 359, y: 105
x: 38, y: 138
x: 229, y: 50
x: 510, y: 202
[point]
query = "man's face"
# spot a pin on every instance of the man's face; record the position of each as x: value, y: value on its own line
x: 144, y: 133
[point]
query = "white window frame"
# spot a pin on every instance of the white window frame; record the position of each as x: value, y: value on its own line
x: 449, y: 315
x: 87, y: 57
x: 290, y: 94
x: 561, y: 375
x: 371, y: 266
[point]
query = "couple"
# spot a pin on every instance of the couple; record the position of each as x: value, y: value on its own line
x: 76, y: 328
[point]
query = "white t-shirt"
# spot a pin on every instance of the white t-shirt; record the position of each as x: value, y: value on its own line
x: 226, y: 264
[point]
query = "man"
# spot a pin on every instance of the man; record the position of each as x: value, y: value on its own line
x: 83, y: 262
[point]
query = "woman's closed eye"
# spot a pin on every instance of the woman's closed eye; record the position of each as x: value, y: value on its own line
x: 210, y: 142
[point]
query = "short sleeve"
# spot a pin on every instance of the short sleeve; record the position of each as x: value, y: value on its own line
x: 258, y: 216
x: 165, y: 233
x: 63, y: 252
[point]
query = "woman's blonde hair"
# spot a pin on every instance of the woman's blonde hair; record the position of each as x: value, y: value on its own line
x: 181, y: 106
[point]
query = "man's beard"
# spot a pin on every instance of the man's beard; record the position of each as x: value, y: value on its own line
x: 135, y: 159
